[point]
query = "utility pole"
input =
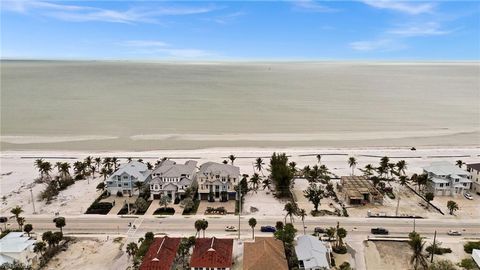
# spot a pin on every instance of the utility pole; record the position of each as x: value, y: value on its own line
x: 239, y: 206
x: 434, y: 247
x: 413, y: 224
x: 33, y: 201
x: 398, y: 204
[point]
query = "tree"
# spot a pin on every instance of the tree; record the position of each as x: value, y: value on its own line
x: 452, y: 206
x: 204, y: 226
x: 64, y: 170
x: 28, y: 228
x: 281, y: 174
x: 286, y: 234
x: 232, y: 158
x: 138, y: 185
x: 319, y: 159
x: 38, y: 164
x: 302, y: 214
x: 20, y: 221
x: 429, y: 196
x: 345, y: 266
x: 368, y: 170
x: 98, y: 162
x: 132, y: 249
x: 164, y: 201
x: 267, y: 183
x: 279, y: 225
x: 187, y: 204
x: 459, y: 163
x: 313, y: 174
x: 331, y: 232
x: 15, y: 265
x: 225, y: 162
x: 104, y: 173
x: 59, y: 223
x: 468, y: 264
x: 442, y: 265
x: 416, y: 245
x: 184, y: 250
x: 252, y: 222
x: 293, y: 167
x: 291, y: 210
x: 341, y: 233
x: 254, y: 181
x: 314, y: 194
x: 57, y: 237
x: 403, y: 180
x: 39, y: 247
x: 401, y: 167
x: 352, y: 162
x: 259, y: 165
x: 141, y: 204
x: 16, y: 211
x: 115, y: 163
x: 198, y: 226
x: 48, y: 237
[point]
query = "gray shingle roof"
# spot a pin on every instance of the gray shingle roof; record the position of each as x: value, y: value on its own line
x: 312, y: 252
x: 219, y: 169
x: 444, y: 168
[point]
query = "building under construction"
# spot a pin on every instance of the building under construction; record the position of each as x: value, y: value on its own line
x: 359, y: 190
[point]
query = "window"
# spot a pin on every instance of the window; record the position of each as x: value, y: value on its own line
x: 125, y: 184
x: 119, y: 185
x: 441, y: 185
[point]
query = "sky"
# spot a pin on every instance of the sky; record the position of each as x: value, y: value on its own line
x: 247, y: 30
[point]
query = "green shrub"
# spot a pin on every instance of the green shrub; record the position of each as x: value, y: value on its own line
x: 469, y: 246
x: 340, y: 249
x: 438, y: 250
x: 164, y: 211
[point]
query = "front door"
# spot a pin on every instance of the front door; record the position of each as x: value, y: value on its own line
x: 217, y: 191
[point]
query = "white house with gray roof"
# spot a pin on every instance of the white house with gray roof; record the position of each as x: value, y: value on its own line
x: 447, y: 179
x: 16, y: 246
x: 219, y: 180
x: 125, y: 177
x: 171, y: 179
x: 312, y: 253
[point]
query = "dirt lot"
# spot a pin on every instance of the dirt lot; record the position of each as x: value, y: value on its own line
x: 325, y: 203
x: 91, y: 253
x: 468, y: 208
x: 387, y: 255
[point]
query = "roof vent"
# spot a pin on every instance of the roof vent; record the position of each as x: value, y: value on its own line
x: 155, y: 260
x: 211, y: 245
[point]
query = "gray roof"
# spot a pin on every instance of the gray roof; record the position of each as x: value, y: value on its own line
x: 15, y: 242
x: 475, y: 166
x: 437, y: 180
x: 137, y: 169
x: 169, y: 168
x: 311, y: 251
x: 219, y: 169
x: 444, y: 168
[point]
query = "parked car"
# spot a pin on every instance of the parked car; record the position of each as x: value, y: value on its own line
x: 230, y: 229
x: 454, y: 233
x: 468, y: 196
x: 319, y: 230
x: 268, y: 229
x: 379, y: 231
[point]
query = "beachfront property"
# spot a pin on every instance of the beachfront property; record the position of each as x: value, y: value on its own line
x: 216, y: 181
x: 124, y: 178
x: 476, y: 256
x: 264, y: 253
x: 17, y: 246
x: 474, y: 170
x: 171, y: 179
x: 312, y: 253
x: 447, y: 179
x: 161, y: 254
x: 359, y: 190
x: 212, y: 253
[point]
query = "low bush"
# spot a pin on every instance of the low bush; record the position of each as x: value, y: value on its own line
x: 192, y: 210
x: 340, y: 249
x: 219, y: 210
x: 469, y: 246
x: 101, y: 185
x: 391, y: 195
x: 164, y: 211
x: 438, y: 250
x: 176, y: 201
x: 119, y: 194
x: 125, y: 208
x: 99, y: 208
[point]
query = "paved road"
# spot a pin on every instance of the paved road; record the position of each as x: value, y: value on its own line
x: 183, y: 225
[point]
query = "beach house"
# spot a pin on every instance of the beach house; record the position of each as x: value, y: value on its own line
x: 16, y: 246
x: 171, y: 179
x: 264, y: 253
x: 447, y: 179
x: 212, y: 253
x: 161, y: 254
x: 312, y: 253
x: 124, y: 179
x: 217, y: 181
x: 474, y: 170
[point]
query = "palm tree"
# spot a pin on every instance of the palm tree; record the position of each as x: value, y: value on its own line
x: 58, y: 165
x: 252, y: 222
x: 403, y: 180
x: 232, y: 158
x: 306, y: 171
x: 115, y: 162
x: 204, y: 226
x: 314, y: 174
x: 88, y: 161
x: 132, y: 249
x: 198, y: 226
x: 352, y: 162
x: 17, y: 210
x: 64, y: 169
x: 302, y: 214
x: 39, y: 247
x: 104, y: 173
x: 331, y: 232
x: 452, y: 206
x: 459, y: 163
x: 138, y: 185
x: 46, y: 168
x: 149, y: 166
x: 254, y: 180
x: 368, y: 170
x: 417, y: 244
x: 60, y: 223
x: 319, y: 159
x: 341, y: 233
x: 225, y: 161
x: 98, y: 162
x: 259, y: 165
x: 38, y: 163
x: 291, y: 210
x: 267, y: 183
x: 107, y: 163
x: 28, y: 228
x: 20, y: 221
x: 293, y: 167
x: 79, y: 168
x: 401, y: 167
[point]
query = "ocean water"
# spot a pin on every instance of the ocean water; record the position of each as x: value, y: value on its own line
x: 140, y: 105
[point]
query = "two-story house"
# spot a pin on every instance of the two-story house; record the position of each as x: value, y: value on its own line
x: 125, y: 177
x: 474, y: 170
x: 447, y: 179
x: 217, y: 181
x: 171, y: 179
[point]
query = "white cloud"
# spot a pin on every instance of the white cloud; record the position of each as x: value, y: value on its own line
x: 428, y: 29
x: 156, y: 47
x: 311, y: 5
x: 405, y: 7
x: 77, y: 13
x: 224, y: 19
x: 377, y: 45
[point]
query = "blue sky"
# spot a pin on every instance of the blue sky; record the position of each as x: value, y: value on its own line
x: 226, y: 30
